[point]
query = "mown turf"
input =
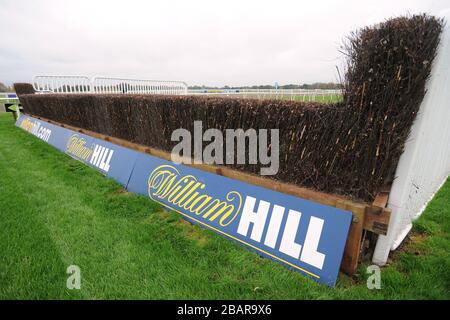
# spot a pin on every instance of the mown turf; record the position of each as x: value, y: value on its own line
x: 55, y: 212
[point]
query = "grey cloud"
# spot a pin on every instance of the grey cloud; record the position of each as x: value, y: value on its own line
x: 201, y: 42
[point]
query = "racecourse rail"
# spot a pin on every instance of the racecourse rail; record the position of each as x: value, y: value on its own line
x: 83, y: 84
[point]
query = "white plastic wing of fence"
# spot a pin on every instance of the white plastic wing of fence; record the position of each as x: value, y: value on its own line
x: 62, y: 84
x: 83, y: 84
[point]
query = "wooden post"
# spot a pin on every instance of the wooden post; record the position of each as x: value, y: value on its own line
x: 352, y: 249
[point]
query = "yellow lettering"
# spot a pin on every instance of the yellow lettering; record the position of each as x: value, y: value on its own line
x: 167, y: 186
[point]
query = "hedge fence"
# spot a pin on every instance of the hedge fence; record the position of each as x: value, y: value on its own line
x: 350, y: 148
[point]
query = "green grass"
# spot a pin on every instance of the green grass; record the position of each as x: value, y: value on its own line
x: 55, y: 212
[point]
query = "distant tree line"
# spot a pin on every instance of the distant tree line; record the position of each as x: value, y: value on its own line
x: 315, y: 85
x: 5, y: 88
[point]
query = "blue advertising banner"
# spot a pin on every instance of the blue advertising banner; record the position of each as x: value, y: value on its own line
x: 115, y: 161
x: 306, y: 236
x: 54, y: 135
x: 112, y: 160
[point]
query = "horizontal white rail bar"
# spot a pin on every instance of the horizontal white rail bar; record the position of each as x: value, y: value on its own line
x: 265, y: 91
x: 139, y: 86
x: 286, y: 94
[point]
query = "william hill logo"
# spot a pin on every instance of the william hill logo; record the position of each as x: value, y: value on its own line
x: 237, y: 213
x: 95, y: 154
x: 36, y: 128
x: 186, y: 193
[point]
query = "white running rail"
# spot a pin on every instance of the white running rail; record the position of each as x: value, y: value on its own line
x: 280, y: 94
x: 117, y: 85
x: 62, y: 84
x: 83, y: 84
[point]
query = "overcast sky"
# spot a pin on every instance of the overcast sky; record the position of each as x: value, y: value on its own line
x: 201, y: 42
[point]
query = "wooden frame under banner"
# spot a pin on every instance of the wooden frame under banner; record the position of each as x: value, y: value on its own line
x: 368, y: 218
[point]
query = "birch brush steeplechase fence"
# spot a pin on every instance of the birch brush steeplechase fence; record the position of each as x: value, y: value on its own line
x: 347, y: 150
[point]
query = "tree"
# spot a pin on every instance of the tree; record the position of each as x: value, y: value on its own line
x: 5, y: 88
